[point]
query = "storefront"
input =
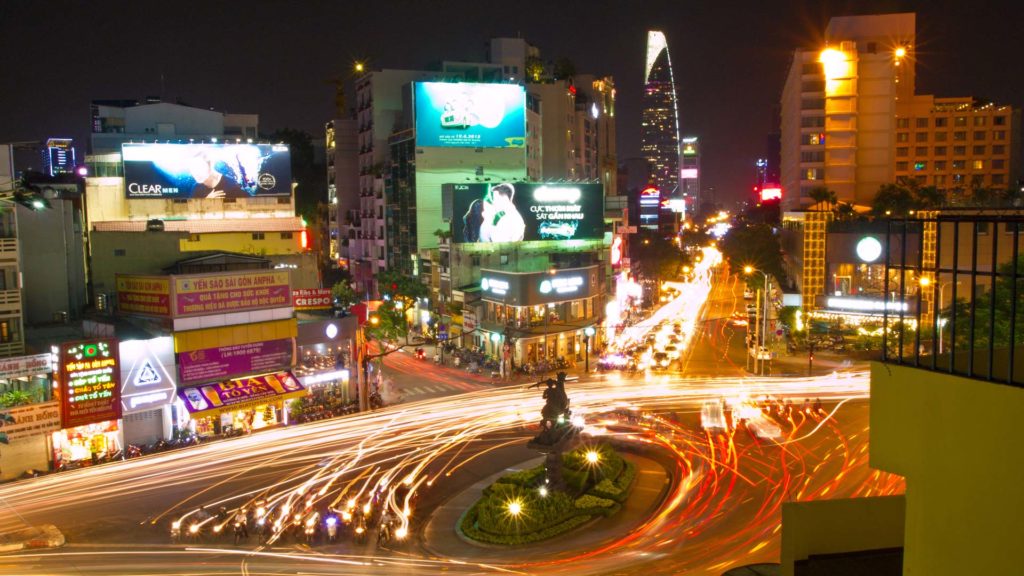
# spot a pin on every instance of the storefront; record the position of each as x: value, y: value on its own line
x: 148, y: 384
x: 29, y: 446
x: 240, y: 405
x: 538, y: 316
x: 26, y: 379
x: 325, y: 352
x: 89, y: 380
x: 89, y: 443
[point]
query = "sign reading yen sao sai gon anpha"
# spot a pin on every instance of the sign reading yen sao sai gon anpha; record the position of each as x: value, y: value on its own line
x: 90, y: 380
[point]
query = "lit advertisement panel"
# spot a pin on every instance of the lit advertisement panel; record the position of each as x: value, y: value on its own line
x: 769, y: 194
x: 177, y: 171
x: 468, y: 114
x: 688, y: 174
x: 514, y: 212
x: 90, y: 383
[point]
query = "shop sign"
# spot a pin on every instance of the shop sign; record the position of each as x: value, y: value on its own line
x: 563, y: 285
x: 226, y: 361
x: 90, y: 382
x: 32, y: 420
x: 145, y: 295
x: 199, y: 295
x: 26, y: 366
x: 146, y: 381
x: 468, y: 321
x: 495, y: 286
x: 240, y: 394
x: 312, y: 299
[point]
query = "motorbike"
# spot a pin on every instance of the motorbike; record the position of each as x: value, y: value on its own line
x: 332, y: 529
x: 359, y: 533
x: 420, y: 354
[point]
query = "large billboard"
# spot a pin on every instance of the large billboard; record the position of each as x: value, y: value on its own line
x: 472, y: 115
x: 198, y: 295
x: 514, y: 212
x: 178, y: 171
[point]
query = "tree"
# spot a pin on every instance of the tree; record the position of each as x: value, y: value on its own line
x: 982, y: 312
x: 344, y: 295
x: 755, y: 245
x: 822, y: 194
x: 14, y: 398
x: 894, y: 200
x: 656, y: 257
x: 394, y: 285
x: 534, y: 69
x: 564, y: 69
x: 389, y: 325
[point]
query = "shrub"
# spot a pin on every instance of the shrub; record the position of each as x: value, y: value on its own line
x: 588, y: 501
x: 524, y: 478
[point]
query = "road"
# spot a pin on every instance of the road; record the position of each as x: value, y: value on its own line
x: 722, y: 508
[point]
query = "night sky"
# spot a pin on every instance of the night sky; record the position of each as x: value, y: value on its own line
x: 276, y: 58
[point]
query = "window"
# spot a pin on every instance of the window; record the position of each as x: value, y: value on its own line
x: 999, y: 135
x: 920, y: 137
x: 921, y: 122
x: 180, y: 201
x: 960, y: 121
x: 999, y: 121
x: 813, y: 139
x: 978, y: 150
x: 960, y: 135
x: 941, y: 122
x: 977, y: 180
x: 941, y: 136
x: 286, y: 235
x: 814, y: 174
x: 193, y: 237
x: 959, y: 164
x: 941, y: 151
x: 940, y: 180
x: 474, y: 260
x: 902, y: 151
x: 901, y: 166
x: 257, y: 235
x: 959, y: 150
x: 903, y: 137
x: 921, y: 151
x: 903, y: 122
x: 978, y: 165
x: 940, y: 165
x: 504, y: 259
x: 979, y: 134
x: 919, y: 166
x: 998, y: 149
x: 958, y: 179
x: 999, y: 178
x: 921, y: 180
x: 812, y: 122
x: 119, y: 252
x: 812, y: 156
x: 979, y: 120
x: 999, y: 164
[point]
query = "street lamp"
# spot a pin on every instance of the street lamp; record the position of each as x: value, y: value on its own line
x: 762, y: 327
x: 925, y: 282
x: 587, y: 333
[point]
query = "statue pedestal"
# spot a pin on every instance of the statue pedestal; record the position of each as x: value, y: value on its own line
x: 553, y: 455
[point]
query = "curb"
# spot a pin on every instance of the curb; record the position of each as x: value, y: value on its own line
x: 44, y: 536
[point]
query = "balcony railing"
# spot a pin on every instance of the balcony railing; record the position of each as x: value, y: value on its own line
x: 956, y: 285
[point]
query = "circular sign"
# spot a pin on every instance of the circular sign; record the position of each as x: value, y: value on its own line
x: 266, y: 181
x: 869, y: 249
x: 545, y: 287
x: 331, y: 331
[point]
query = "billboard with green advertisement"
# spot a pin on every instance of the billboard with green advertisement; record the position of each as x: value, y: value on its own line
x: 465, y: 114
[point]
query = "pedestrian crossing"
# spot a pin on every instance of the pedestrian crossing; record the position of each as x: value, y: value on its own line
x: 425, y: 389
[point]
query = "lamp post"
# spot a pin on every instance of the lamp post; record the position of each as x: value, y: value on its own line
x: 587, y: 333
x: 763, y: 328
x: 926, y: 281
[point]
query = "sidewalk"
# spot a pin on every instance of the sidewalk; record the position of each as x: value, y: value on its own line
x: 442, y: 538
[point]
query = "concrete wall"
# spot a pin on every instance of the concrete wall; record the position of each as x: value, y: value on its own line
x: 956, y: 441
x: 839, y: 526
x: 32, y: 453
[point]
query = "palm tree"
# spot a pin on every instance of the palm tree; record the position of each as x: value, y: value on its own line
x: 822, y: 194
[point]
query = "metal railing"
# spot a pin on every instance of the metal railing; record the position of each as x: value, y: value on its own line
x: 956, y: 284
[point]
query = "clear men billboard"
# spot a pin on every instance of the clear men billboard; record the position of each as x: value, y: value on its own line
x: 470, y: 115
x: 515, y: 212
x: 181, y: 171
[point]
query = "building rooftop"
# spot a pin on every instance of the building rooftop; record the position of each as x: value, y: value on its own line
x: 206, y: 226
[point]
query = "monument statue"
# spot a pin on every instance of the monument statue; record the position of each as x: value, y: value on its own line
x: 556, y: 429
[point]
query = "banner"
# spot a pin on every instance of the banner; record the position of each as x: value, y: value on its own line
x: 470, y: 115
x: 145, y: 295
x: 312, y: 299
x: 241, y: 394
x: 514, y: 212
x: 220, y: 363
x: 183, y: 171
x: 220, y: 293
x: 26, y: 366
x: 32, y: 420
x: 90, y: 379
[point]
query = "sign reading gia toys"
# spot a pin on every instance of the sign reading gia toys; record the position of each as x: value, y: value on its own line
x: 241, y: 394
x: 219, y: 363
x: 90, y: 383
x: 196, y: 295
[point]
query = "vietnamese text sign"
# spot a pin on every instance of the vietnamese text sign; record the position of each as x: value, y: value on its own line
x: 147, y: 295
x: 312, y: 299
x: 221, y: 293
x: 90, y: 383
x: 241, y: 394
x: 26, y: 366
x: 32, y: 420
x: 513, y: 212
x: 221, y: 363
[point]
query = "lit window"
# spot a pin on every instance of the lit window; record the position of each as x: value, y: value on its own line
x: 999, y: 135
x: 978, y: 165
x: 918, y: 166
x: 979, y: 120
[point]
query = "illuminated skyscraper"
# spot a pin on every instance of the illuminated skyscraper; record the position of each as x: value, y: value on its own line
x: 660, y: 120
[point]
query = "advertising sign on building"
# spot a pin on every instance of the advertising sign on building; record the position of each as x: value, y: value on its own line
x: 144, y: 295
x: 468, y: 321
x: 179, y: 171
x: 147, y: 379
x: 242, y: 394
x: 514, y: 212
x: 471, y: 115
x: 90, y: 389
x: 536, y: 288
x: 222, y: 363
x: 197, y: 295
x: 32, y: 420
x: 26, y: 366
x: 312, y: 299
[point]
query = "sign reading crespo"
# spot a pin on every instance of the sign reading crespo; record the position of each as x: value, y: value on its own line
x: 471, y: 115
x: 514, y: 212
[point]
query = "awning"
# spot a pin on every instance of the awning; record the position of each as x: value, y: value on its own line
x: 240, y: 394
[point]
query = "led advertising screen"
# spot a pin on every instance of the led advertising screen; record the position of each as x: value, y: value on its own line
x: 180, y: 171
x: 514, y: 212
x: 90, y: 383
x: 472, y: 115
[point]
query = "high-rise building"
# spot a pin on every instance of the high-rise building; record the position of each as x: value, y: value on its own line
x: 689, y: 174
x: 660, y: 117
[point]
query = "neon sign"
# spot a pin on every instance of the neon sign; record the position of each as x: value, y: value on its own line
x: 494, y: 286
x: 91, y: 383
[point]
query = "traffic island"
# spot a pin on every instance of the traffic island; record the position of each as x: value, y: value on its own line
x: 45, y: 536
x: 520, y: 508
